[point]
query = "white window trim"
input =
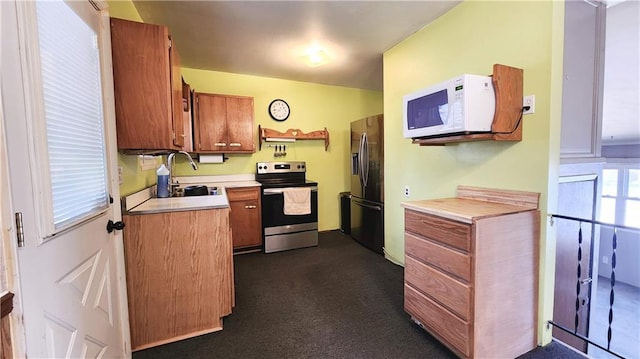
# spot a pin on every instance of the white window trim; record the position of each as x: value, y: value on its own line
x: 38, y: 156
x: 35, y: 112
x: 622, y: 165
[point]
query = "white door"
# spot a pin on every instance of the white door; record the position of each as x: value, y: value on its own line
x: 71, y: 270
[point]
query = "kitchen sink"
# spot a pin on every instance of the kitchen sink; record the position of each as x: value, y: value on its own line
x: 196, y: 190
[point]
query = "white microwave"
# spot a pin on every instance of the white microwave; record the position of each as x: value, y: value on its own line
x: 462, y: 105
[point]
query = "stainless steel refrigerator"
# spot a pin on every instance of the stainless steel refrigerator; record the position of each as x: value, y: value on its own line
x: 367, y: 182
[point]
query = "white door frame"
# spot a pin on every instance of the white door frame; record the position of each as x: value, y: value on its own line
x: 9, y: 270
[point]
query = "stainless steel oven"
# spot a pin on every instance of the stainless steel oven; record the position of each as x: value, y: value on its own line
x: 281, y: 231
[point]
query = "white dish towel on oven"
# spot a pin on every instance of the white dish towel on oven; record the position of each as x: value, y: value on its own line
x: 297, y: 200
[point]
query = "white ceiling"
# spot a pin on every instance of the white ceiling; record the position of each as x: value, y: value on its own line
x: 259, y: 37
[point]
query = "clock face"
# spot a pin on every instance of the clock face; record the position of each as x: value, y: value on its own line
x: 279, y: 110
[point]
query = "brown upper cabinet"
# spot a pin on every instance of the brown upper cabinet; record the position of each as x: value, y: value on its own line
x: 147, y: 86
x: 223, y: 124
x: 187, y: 116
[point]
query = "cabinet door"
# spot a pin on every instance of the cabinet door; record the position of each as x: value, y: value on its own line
x: 177, y: 107
x: 142, y: 85
x: 210, y: 123
x: 187, y: 123
x: 179, y: 270
x: 240, y: 124
x: 582, y: 85
x: 246, y: 224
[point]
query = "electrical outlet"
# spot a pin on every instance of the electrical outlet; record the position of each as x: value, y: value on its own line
x: 531, y: 102
x: 120, y: 170
x: 406, y: 191
x: 605, y: 259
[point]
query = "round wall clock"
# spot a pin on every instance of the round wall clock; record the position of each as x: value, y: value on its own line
x: 279, y: 110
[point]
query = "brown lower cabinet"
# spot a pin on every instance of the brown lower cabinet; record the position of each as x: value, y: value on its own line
x: 471, y: 271
x: 179, y: 268
x: 246, y: 222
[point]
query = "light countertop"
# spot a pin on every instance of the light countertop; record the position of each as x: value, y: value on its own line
x: 172, y: 204
x: 144, y: 202
x: 473, y: 203
x: 463, y: 209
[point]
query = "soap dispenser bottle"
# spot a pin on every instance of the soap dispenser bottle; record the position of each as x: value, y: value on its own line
x: 163, y: 181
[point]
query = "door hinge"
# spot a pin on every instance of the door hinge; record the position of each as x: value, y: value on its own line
x: 19, y: 229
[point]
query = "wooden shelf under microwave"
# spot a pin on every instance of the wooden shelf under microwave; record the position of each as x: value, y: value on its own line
x: 507, y: 120
x: 292, y: 134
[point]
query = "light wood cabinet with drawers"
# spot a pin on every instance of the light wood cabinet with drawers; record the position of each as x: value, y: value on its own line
x: 471, y: 265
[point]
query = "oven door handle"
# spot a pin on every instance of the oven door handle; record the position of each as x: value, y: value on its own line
x: 271, y: 191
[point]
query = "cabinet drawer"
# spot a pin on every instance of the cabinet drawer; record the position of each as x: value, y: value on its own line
x: 243, y: 193
x: 447, y: 259
x: 438, y: 321
x: 451, y: 233
x: 455, y: 295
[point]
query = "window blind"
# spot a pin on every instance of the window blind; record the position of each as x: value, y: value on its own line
x: 72, y: 90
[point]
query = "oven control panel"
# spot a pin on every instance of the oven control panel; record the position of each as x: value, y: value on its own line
x: 281, y: 167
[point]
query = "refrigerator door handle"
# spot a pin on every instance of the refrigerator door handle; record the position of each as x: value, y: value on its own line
x: 362, y: 204
x: 365, y: 159
x: 360, y: 156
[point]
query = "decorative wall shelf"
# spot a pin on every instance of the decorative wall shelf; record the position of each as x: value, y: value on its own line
x: 507, y: 120
x: 266, y: 134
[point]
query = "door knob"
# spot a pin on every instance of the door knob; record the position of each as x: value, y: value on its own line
x: 113, y: 226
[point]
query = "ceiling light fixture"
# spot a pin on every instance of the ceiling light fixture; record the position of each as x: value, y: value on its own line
x: 315, y: 55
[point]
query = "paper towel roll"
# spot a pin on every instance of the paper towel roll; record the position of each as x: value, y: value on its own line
x: 215, y: 158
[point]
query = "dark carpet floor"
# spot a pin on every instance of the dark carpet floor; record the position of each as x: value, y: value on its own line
x: 337, y: 300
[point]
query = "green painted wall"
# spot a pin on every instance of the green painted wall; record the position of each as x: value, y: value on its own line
x: 313, y: 107
x: 470, y: 39
x: 124, y: 9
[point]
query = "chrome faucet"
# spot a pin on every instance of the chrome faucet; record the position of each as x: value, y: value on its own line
x: 172, y: 183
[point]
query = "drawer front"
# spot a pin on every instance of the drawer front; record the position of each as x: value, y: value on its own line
x: 243, y: 193
x: 451, y: 293
x: 453, y: 331
x: 444, y: 258
x: 449, y: 232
